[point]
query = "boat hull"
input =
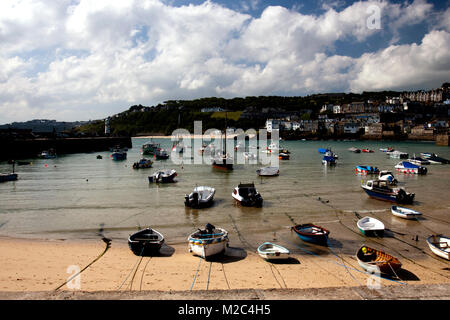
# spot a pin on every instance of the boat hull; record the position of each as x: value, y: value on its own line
x: 8, y: 177
x: 303, y: 234
x: 270, y: 251
x: 208, y: 248
x: 145, y: 242
x: 431, y: 241
x: 404, y: 213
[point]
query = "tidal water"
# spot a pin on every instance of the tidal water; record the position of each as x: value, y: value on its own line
x: 73, y: 196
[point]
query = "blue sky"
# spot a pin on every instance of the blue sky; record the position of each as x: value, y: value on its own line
x: 79, y: 59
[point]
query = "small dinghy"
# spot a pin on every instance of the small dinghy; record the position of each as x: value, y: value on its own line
x: 311, y: 233
x: 246, y: 195
x: 367, y: 150
x: 408, y: 167
x: 272, y: 251
x: 370, y: 226
x: 200, y: 197
x: 143, y: 164
x: 145, y: 242
x: 268, y: 171
x: 283, y: 156
x: 355, y: 150
x: 440, y: 245
x: 405, y: 213
x: 376, y: 261
x: 208, y: 242
x: 163, y: 176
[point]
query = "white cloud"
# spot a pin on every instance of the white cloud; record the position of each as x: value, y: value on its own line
x: 78, y: 60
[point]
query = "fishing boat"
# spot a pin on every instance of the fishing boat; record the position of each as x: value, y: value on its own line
x: 119, y: 155
x: 145, y: 242
x: 355, y: 150
x: 161, y: 154
x: 143, y: 164
x: 398, y: 155
x: 376, y: 261
x: 246, y: 195
x: 367, y: 150
x: 380, y: 189
x: 387, y: 176
x: 208, y: 242
x: 150, y: 147
x: 272, y: 251
x: 433, y: 158
x: 50, y: 154
x: 440, y: 245
x: 311, y: 233
x: 370, y: 226
x: 201, y: 196
x: 408, y: 167
x: 419, y: 161
x: 405, y: 213
x: 268, y: 171
x: 163, y: 176
x: 367, y: 169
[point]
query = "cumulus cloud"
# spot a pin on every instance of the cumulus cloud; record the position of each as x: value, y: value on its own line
x: 79, y: 60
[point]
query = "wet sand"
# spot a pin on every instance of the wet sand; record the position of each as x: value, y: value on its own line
x: 41, y: 266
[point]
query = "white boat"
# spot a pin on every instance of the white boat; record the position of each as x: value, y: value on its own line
x: 387, y: 176
x: 163, y: 176
x: 201, y: 196
x: 250, y: 156
x: 398, y: 155
x: 370, y: 226
x: 208, y: 242
x: 271, y: 251
x: 419, y: 161
x: 247, y: 195
x: 268, y: 171
x: 404, y: 213
x: 440, y: 245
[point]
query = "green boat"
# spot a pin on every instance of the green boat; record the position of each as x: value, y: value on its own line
x: 150, y: 148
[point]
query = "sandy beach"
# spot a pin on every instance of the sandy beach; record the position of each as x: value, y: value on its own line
x: 30, y: 266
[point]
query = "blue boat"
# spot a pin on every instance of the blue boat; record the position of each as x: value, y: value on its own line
x: 322, y: 150
x: 380, y: 189
x: 311, y: 233
x: 8, y: 177
x: 119, y: 155
x: 329, y: 160
x: 367, y: 169
x: 408, y: 167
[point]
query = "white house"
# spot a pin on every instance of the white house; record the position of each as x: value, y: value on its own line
x: 272, y: 124
x: 337, y: 109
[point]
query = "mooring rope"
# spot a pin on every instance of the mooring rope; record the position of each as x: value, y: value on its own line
x: 108, y: 245
x: 195, y: 277
x: 143, y: 272
x: 209, y: 275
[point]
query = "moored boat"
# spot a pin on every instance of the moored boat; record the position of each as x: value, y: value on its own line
x: 143, y: 164
x: 50, y: 154
x: 222, y: 161
x: 376, y: 261
x: 163, y: 176
x: 398, y: 155
x: 433, y: 158
x: 387, y: 149
x: 208, y: 242
x: 440, y: 245
x: 200, y: 197
x: 328, y: 160
x: 380, y: 189
x: 268, y: 171
x: 419, y: 161
x: 150, y: 147
x: 370, y: 226
x: 367, y: 169
x: 405, y: 213
x: 387, y: 176
x: 283, y: 156
x: 161, y: 154
x: 408, y: 167
x: 367, y: 150
x: 272, y: 251
x: 8, y: 177
x: 119, y: 155
x: 145, y: 242
x: 246, y: 195
x: 311, y: 233
x: 355, y: 150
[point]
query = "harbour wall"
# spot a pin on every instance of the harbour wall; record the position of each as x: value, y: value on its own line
x: 30, y: 148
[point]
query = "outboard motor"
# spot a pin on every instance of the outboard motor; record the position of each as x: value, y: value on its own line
x: 186, y: 200
x: 195, y: 199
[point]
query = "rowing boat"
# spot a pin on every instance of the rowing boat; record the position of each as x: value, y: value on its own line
x: 272, y: 251
x: 376, y: 261
x: 440, y: 245
x: 404, y: 213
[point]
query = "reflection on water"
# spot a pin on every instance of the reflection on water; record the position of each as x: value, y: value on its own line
x: 70, y: 196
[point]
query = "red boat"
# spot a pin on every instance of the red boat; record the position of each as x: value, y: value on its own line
x: 367, y: 150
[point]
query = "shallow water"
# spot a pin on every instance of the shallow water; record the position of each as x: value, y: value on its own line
x: 72, y: 196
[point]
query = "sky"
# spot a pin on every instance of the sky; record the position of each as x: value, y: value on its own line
x: 73, y: 60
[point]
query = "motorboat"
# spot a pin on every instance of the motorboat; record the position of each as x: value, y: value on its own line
x: 328, y: 160
x: 311, y: 233
x: 398, y: 155
x: 370, y: 226
x: 163, y: 176
x: 376, y: 261
x: 272, y: 251
x: 408, y: 167
x: 433, y: 158
x: 246, y: 195
x: 208, y: 242
x: 50, y: 154
x: 143, y: 164
x: 250, y: 156
x: 367, y: 150
x: 150, y: 147
x: 355, y: 150
x: 201, y: 196
x: 283, y: 156
x: 119, y: 155
x: 367, y: 169
x: 387, y: 176
x: 222, y: 161
x: 161, y: 154
x: 405, y: 213
x: 381, y: 190
x: 268, y: 171
x: 145, y: 242
x: 387, y: 149
x: 419, y: 161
